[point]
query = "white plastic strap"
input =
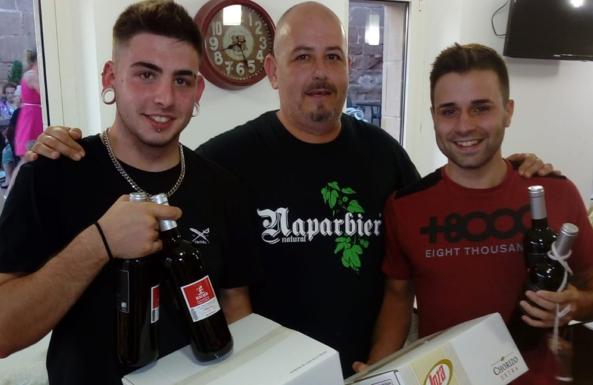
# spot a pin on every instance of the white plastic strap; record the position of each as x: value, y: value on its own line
x: 553, y: 254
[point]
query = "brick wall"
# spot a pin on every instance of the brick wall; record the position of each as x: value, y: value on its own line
x: 366, y: 75
x: 17, y: 33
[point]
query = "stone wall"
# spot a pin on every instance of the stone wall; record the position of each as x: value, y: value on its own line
x: 17, y: 33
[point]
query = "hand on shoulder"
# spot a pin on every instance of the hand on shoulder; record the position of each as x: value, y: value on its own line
x: 56, y: 141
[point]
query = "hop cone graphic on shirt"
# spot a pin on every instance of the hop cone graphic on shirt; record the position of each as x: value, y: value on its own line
x: 341, y: 201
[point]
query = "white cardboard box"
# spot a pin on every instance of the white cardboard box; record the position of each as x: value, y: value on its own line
x: 264, y: 353
x: 476, y: 352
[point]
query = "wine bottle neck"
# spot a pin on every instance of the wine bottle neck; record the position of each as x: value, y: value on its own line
x: 171, y: 235
x: 538, y: 208
x: 167, y: 224
x: 541, y: 223
x: 566, y: 236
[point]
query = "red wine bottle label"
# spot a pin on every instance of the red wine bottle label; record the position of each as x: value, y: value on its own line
x: 200, y: 299
x: 154, y: 304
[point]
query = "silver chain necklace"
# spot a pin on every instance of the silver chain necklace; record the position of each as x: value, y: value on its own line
x: 128, y: 178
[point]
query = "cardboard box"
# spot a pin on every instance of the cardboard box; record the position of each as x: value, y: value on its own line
x: 264, y: 353
x: 476, y: 352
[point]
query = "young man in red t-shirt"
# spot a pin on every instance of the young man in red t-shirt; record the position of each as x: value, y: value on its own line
x: 454, y: 238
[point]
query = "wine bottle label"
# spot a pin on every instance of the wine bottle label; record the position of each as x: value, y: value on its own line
x: 123, y: 293
x: 200, y: 299
x: 154, y: 304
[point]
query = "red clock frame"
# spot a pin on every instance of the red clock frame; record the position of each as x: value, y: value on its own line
x: 203, y: 18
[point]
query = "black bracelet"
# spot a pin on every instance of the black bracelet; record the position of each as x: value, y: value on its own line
x: 102, y: 234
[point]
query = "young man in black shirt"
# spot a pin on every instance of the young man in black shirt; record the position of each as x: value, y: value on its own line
x: 55, y: 270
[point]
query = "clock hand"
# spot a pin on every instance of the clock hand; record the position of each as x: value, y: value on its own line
x: 242, y: 53
x: 240, y: 45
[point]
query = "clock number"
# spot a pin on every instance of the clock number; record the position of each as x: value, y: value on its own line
x: 229, y: 67
x: 251, y: 66
x: 260, y: 56
x: 213, y: 42
x: 218, y: 58
x: 263, y: 42
x: 250, y: 19
x: 240, y: 69
x: 217, y: 28
x: 258, y: 27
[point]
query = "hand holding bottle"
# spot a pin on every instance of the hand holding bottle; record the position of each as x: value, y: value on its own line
x: 541, y: 312
x: 131, y: 229
x: 137, y: 300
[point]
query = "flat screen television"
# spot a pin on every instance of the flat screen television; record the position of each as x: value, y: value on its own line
x: 550, y: 29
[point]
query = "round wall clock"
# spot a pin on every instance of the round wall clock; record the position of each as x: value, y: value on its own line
x: 238, y: 34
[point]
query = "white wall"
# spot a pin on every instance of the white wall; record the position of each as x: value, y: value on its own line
x: 78, y: 42
x: 552, y: 113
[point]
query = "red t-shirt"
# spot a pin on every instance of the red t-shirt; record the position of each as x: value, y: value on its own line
x: 462, y: 248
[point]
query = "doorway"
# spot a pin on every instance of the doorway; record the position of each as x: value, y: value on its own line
x: 20, y: 58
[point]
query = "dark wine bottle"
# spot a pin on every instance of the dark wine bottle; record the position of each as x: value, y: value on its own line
x: 194, y: 293
x: 138, y: 307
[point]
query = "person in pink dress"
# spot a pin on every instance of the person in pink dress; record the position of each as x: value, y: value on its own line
x: 30, y: 123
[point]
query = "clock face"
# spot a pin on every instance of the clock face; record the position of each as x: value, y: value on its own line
x: 237, y: 39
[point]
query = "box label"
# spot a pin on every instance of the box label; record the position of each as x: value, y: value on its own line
x: 440, y: 374
x: 435, y: 368
x: 200, y: 299
x: 508, y: 367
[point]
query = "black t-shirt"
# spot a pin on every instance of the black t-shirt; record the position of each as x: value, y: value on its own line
x: 320, y: 227
x: 53, y: 201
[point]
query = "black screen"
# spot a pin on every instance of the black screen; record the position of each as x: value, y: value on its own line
x: 550, y: 29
